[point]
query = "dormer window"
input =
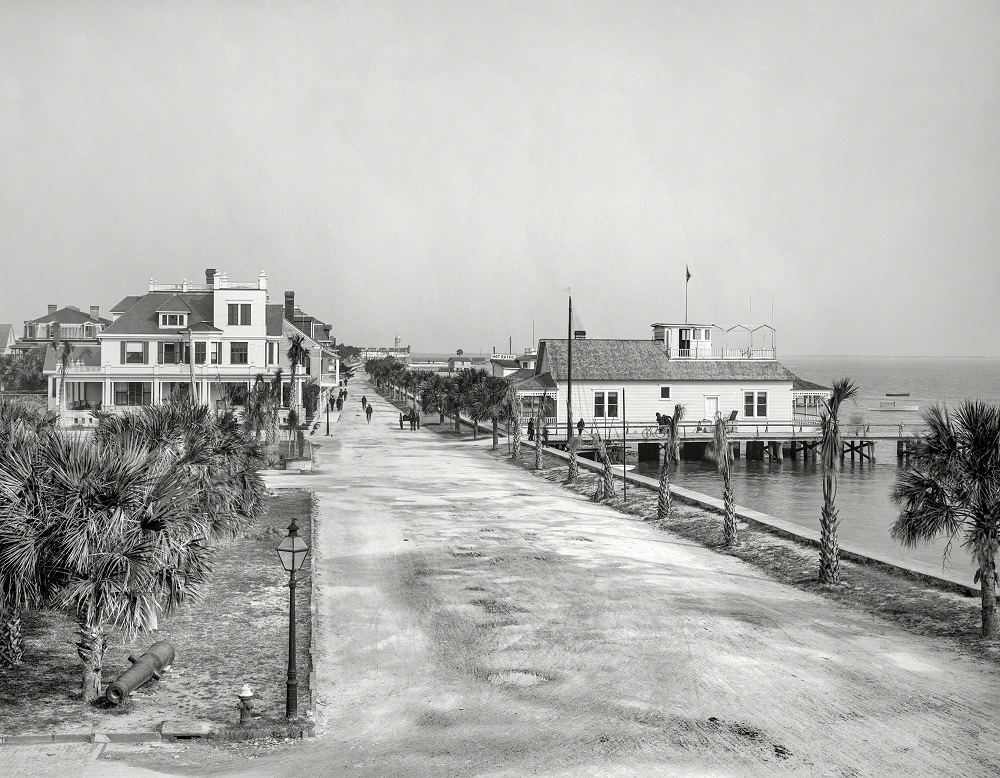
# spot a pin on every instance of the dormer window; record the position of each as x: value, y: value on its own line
x: 172, y: 320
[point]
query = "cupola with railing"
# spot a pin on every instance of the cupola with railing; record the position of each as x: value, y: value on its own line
x: 710, y: 341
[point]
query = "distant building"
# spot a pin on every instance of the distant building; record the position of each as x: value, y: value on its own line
x: 69, y: 324
x: 213, y: 339
x: 6, y: 338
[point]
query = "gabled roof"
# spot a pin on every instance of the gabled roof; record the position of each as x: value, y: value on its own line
x: 67, y: 316
x: 173, y: 304
x: 526, y: 382
x: 506, y: 362
x: 127, y: 303
x: 644, y: 360
x: 141, y: 318
x: 204, y: 326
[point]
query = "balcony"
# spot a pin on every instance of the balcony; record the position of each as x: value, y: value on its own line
x: 721, y: 353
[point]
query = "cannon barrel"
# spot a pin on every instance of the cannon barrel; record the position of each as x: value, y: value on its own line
x: 149, y: 665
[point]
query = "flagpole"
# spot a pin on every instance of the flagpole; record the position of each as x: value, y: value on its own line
x: 687, y: 280
x: 569, y: 374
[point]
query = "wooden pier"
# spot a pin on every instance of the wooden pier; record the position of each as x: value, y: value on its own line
x: 754, y: 441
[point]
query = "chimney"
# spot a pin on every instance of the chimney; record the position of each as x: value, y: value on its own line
x: 53, y: 308
x: 209, y: 275
x: 95, y: 312
x: 289, y: 305
x: 579, y: 334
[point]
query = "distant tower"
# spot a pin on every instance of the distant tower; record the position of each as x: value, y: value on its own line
x: 397, y: 342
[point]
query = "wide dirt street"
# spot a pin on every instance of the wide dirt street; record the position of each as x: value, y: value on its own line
x: 475, y: 619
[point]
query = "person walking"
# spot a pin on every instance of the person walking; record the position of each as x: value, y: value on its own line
x: 580, y: 426
x: 368, y: 413
x: 416, y: 415
x: 401, y: 420
x: 364, y: 402
x: 531, y: 429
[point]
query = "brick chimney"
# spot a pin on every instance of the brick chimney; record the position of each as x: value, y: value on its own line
x: 53, y: 308
x: 289, y: 305
x: 209, y: 275
x: 95, y: 312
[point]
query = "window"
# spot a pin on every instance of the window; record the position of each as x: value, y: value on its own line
x: 133, y: 393
x: 664, y: 392
x: 755, y: 404
x: 134, y: 352
x: 199, y: 353
x: 238, y: 353
x: 239, y: 313
x: 173, y: 319
x: 708, y: 334
x: 272, y: 353
x: 216, y: 353
x: 605, y: 405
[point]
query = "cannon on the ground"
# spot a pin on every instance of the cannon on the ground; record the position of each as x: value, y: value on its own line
x: 159, y: 656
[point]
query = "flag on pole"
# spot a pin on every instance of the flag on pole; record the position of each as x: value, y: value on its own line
x: 687, y: 274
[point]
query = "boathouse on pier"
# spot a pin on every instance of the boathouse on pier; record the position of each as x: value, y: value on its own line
x: 618, y: 387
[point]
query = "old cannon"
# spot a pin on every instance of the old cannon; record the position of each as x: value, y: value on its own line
x: 159, y: 656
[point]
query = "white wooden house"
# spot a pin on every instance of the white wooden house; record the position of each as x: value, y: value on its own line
x: 631, y: 381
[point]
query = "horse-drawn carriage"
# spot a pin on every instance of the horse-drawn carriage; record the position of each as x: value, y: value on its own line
x: 411, y: 416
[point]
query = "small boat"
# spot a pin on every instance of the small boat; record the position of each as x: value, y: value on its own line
x: 892, y: 405
x: 897, y: 394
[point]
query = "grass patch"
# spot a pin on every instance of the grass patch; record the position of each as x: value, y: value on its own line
x: 236, y: 634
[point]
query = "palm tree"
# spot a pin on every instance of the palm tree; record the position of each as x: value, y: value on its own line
x: 514, y: 413
x: 63, y: 352
x: 606, y: 483
x: 722, y: 452
x: 297, y: 355
x: 829, y: 549
x: 491, y: 400
x: 664, y: 505
x: 951, y: 486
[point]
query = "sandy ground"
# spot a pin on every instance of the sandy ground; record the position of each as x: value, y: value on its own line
x: 474, y: 619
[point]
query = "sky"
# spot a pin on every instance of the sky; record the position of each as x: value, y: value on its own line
x: 447, y: 171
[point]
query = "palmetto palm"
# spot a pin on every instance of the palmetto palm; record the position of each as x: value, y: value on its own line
x: 297, y: 355
x: 491, y: 400
x: 830, y: 451
x: 64, y: 351
x: 950, y: 487
x: 722, y: 452
x: 606, y: 483
x: 664, y: 505
x: 514, y: 412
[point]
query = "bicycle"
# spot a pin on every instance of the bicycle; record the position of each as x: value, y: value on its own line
x: 654, y: 432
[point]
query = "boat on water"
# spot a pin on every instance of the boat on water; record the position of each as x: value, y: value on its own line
x: 897, y: 394
x: 894, y: 405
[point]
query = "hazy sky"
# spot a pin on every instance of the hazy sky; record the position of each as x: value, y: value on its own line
x: 445, y: 170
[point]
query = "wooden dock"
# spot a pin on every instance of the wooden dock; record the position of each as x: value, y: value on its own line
x: 762, y: 441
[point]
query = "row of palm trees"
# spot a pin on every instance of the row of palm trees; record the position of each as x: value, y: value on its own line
x: 116, y: 528
x: 950, y: 486
x: 476, y: 394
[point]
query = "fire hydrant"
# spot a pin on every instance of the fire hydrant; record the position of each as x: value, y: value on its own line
x: 245, y: 697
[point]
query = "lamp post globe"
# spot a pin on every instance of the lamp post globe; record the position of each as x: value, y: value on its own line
x: 292, y: 551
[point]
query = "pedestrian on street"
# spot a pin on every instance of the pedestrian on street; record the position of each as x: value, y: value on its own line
x: 413, y: 420
x: 580, y: 425
x: 368, y: 413
x: 364, y: 402
x: 416, y: 414
x: 531, y: 429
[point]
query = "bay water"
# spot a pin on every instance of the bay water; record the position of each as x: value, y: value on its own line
x: 792, y: 489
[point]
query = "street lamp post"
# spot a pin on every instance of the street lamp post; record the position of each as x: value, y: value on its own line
x: 328, y: 401
x: 292, y: 552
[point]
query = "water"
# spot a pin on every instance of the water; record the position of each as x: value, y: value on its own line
x: 792, y: 489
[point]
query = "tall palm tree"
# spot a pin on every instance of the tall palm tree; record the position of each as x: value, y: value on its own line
x: 491, y: 400
x: 63, y: 350
x: 829, y: 548
x: 722, y: 452
x: 664, y: 506
x: 950, y: 487
x: 297, y: 355
x: 514, y: 413
x: 606, y: 483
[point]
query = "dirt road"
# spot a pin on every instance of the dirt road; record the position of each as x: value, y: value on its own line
x: 474, y: 619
